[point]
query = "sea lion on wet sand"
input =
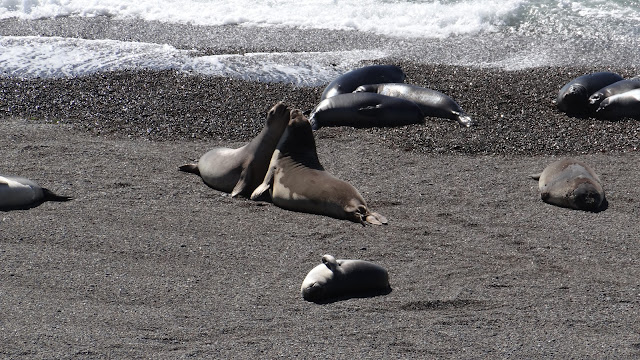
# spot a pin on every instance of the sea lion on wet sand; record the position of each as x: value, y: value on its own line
x: 364, y: 109
x: 616, y: 88
x: 625, y: 105
x: 572, y: 184
x: 372, y: 74
x: 240, y: 171
x: 431, y: 102
x: 18, y: 193
x: 573, y: 98
x: 342, y: 279
x: 297, y: 181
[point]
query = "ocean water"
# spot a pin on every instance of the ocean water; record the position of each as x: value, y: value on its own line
x: 509, y: 34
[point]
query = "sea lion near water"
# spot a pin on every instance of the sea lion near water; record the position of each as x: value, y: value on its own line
x: 342, y: 279
x: 573, y: 98
x: 431, y: 102
x: 372, y: 74
x: 572, y: 184
x: 624, y: 105
x: 364, y: 109
x: 18, y: 193
x: 616, y: 88
x: 297, y: 181
x: 240, y: 171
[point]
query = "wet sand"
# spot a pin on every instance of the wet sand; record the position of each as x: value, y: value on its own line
x: 148, y: 262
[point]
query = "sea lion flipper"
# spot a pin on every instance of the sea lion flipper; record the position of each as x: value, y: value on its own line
x: 268, y: 178
x: 50, y: 196
x: 245, y: 179
x: 190, y: 168
x: 464, y: 119
x: 371, y: 111
x: 535, y: 176
x: 376, y: 219
x: 330, y: 262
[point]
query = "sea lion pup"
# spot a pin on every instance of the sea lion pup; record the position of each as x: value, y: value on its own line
x: 240, y: 171
x: 342, y: 279
x: 616, y: 88
x: 431, y: 102
x: 297, y: 181
x: 364, y: 109
x: 573, y: 98
x: 18, y: 193
x: 372, y: 74
x: 625, y: 105
x: 572, y: 184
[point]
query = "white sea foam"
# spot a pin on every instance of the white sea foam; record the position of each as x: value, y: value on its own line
x: 32, y: 56
x: 399, y: 18
x: 403, y: 18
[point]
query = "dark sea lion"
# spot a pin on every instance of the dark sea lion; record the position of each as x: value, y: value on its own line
x: 364, y: 109
x: 573, y: 98
x: 624, y: 105
x: 296, y: 181
x: 572, y: 184
x: 18, y: 193
x: 431, y: 102
x: 372, y: 74
x: 618, y: 87
x: 240, y: 171
x: 342, y: 279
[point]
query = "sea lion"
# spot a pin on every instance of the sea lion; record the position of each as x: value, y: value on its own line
x: 342, y: 279
x: 372, y: 74
x: 18, y: 193
x: 297, y: 181
x: 620, y: 106
x: 618, y: 87
x: 431, y: 102
x: 240, y: 171
x: 572, y: 184
x: 364, y: 109
x: 573, y: 98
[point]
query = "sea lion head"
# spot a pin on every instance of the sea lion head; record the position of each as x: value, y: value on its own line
x: 587, y: 197
x: 574, y: 100
x: 316, y: 284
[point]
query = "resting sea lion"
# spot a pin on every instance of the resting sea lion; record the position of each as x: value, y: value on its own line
x: 372, y: 74
x: 341, y: 279
x: 297, y: 181
x: 240, y: 171
x: 618, y: 87
x: 572, y: 184
x: 431, y: 102
x: 573, y: 98
x: 364, y: 109
x: 626, y: 104
x: 17, y: 193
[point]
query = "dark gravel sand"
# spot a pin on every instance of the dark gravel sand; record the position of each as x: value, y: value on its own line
x: 148, y: 262
x: 513, y: 109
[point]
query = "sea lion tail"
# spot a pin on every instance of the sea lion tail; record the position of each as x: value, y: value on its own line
x: 50, y: 196
x: 190, y: 168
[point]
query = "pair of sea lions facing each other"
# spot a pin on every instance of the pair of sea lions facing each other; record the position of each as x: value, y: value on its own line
x: 376, y: 96
x: 288, y: 170
x: 605, y: 95
x: 571, y: 183
x: 18, y: 193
